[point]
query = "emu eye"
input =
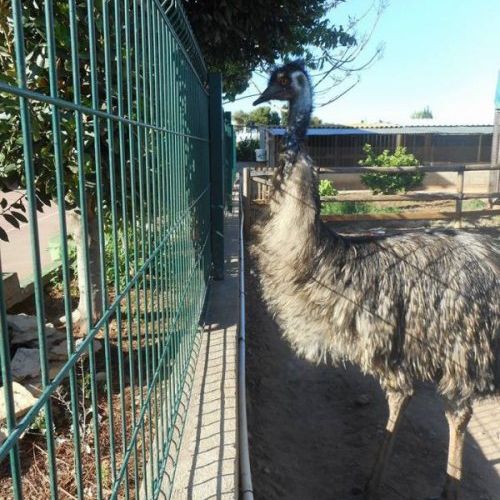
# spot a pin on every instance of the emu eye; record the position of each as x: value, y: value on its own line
x: 284, y: 81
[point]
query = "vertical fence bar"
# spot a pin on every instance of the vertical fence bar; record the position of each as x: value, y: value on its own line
x: 15, y: 464
x: 58, y: 163
x: 216, y: 174
x: 100, y: 220
x: 37, y: 268
x: 132, y: 163
x: 118, y: 278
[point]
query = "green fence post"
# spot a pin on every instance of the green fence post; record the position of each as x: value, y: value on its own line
x: 229, y: 160
x: 216, y: 174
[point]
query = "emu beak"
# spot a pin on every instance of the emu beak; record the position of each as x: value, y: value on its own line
x: 272, y: 92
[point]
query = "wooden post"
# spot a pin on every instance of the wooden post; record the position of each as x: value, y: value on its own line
x: 460, y: 192
x: 245, y: 192
x: 495, y: 147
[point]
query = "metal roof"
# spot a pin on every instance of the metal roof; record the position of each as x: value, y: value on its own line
x: 391, y: 129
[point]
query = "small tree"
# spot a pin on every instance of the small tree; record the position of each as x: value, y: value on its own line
x: 390, y: 183
x: 263, y: 116
x: 326, y: 188
x: 315, y: 121
x: 240, y: 118
x: 425, y: 114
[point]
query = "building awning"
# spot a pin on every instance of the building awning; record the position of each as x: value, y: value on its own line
x: 384, y: 130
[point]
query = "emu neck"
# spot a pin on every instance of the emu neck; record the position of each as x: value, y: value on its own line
x: 298, y: 120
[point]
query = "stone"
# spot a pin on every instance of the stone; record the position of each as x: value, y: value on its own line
x: 21, y: 322
x: 25, y: 363
x: 23, y: 401
x: 24, y: 329
x: 59, y: 351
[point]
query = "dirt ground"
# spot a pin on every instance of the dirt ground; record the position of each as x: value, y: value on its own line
x: 315, y: 430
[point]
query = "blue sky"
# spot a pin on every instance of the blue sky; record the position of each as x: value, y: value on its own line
x: 440, y: 53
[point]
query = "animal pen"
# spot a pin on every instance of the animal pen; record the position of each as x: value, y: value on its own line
x: 461, y: 161
x: 115, y: 103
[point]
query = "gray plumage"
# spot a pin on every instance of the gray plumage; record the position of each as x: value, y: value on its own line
x: 403, y: 308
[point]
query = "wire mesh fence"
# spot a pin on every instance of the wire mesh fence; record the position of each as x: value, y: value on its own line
x: 104, y: 109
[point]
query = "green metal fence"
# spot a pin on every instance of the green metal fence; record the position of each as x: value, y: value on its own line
x: 114, y: 118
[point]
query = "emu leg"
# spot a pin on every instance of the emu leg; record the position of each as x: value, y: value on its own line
x: 397, y: 404
x: 457, y: 422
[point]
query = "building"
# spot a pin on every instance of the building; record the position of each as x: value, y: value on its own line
x: 342, y: 146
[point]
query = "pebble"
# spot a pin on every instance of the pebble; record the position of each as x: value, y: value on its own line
x: 23, y: 401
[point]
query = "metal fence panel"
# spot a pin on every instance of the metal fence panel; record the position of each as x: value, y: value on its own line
x: 121, y: 98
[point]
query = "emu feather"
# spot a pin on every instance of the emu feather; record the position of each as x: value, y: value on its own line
x: 403, y: 308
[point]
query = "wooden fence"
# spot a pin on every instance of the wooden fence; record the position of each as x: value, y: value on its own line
x: 256, y: 191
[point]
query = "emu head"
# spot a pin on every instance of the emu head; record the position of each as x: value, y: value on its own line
x: 287, y: 83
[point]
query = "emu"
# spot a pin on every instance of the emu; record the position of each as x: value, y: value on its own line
x: 403, y: 308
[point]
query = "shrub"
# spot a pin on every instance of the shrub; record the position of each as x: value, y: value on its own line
x: 390, y: 183
x: 245, y: 149
x: 326, y: 188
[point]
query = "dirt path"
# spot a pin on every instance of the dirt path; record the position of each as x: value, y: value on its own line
x: 315, y: 430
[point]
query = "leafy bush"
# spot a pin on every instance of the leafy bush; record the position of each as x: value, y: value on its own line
x: 245, y: 149
x: 326, y: 188
x: 390, y: 183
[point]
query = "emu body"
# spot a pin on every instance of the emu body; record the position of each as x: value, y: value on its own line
x: 403, y: 308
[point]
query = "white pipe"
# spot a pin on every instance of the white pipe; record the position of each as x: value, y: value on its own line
x: 245, y: 471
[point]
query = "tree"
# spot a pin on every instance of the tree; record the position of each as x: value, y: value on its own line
x: 238, y: 37
x: 425, y: 114
x: 42, y: 137
x: 240, y: 118
x: 261, y: 116
x: 315, y: 121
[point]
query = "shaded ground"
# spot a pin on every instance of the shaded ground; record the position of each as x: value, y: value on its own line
x: 315, y: 430
x: 111, y: 412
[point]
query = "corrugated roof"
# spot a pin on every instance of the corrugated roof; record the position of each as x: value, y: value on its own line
x: 391, y: 129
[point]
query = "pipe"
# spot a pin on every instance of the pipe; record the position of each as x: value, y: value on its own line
x: 246, y: 488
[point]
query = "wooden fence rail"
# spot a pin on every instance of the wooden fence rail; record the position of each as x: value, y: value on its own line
x: 256, y: 189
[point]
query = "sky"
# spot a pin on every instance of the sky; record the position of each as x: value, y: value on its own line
x: 444, y: 54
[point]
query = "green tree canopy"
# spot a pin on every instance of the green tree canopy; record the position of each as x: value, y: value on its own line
x: 259, y: 116
x: 237, y: 36
x: 425, y: 113
x: 315, y: 121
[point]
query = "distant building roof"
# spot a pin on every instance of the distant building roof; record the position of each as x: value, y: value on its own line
x: 391, y: 129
